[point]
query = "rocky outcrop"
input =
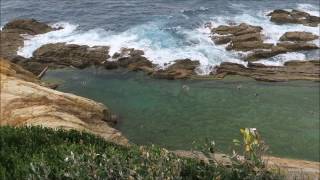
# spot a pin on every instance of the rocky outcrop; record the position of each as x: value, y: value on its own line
x: 242, y: 37
x: 61, y: 54
x: 25, y: 102
x: 11, y: 35
x: 294, y: 16
x: 236, y: 30
x: 245, y: 37
x: 131, y: 59
x: 280, y: 48
x: 27, y: 26
x: 298, y: 36
x: 181, y: 69
x: 248, y: 46
x: 79, y: 56
x: 292, y: 70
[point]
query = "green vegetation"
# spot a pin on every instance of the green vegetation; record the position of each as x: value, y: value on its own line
x: 43, y: 153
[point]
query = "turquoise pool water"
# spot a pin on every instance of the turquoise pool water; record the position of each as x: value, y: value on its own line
x: 173, y: 114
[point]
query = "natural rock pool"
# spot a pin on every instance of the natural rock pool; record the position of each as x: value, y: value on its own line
x: 173, y: 114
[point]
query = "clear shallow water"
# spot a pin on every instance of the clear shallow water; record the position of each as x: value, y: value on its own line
x: 165, y: 29
x: 161, y: 112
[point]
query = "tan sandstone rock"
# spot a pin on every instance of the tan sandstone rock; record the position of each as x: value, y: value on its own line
x: 25, y: 102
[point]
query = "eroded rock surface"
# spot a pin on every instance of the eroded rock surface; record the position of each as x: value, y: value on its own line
x: 292, y: 70
x: 79, y: 56
x: 181, y: 69
x: 11, y: 35
x: 295, y: 17
x: 242, y: 37
x: 25, y: 102
x: 298, y: 36
x: 280, y: 48
x: 132, y: 59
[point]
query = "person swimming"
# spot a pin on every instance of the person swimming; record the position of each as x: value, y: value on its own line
x: 185, y: 88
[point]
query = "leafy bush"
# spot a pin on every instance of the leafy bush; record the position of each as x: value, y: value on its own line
x: 43, y: 153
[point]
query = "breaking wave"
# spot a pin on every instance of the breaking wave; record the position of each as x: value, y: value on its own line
x: 163, y: 45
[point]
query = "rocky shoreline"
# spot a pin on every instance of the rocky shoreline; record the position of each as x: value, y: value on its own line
x: 242, y: 38
x: 26, y: 100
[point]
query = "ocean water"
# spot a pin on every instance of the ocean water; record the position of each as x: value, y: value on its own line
x: 164, y: 113
x: 165, y: 29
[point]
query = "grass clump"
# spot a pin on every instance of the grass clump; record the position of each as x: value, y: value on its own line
x: 44, y: 153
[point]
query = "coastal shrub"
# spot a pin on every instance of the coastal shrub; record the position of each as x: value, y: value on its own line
x: 246, y: 161
x: 44, y: 153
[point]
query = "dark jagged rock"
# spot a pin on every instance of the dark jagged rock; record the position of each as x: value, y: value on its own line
x: 221, y: 39
x: 292, y: 70
x: 243, y: 37
x: 71, y: 55
x: 298, y: 36
x: 247, y: 37
x: 294, y: 16
x: 263, y: 54
x: 27, y: 26
x: 181, y: 69
x: 280, y: 48
x: 130, y: 58
x: 236, y: 30
x: 10, y: 43
x: 11, y: 38
x: 297, y: 46
x: 248, y: 45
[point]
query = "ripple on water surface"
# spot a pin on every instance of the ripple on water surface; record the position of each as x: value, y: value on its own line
x: 176, y: 113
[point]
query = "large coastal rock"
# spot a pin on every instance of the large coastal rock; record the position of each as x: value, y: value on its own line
x: 130, y: 58
x: 11, y: 35
x: 242, y: 37
x: 181, y: 69
x: 292, y: 70
x: 79, y: 56
x: 294, y: 16
x: 236, y: 30
x: 298, y: 36
x: 25, y: 102
x: 27, y: 26
x: 280, y: 48
x: 248, y: 46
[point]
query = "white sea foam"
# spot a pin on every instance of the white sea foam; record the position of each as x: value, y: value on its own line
x: 311, y: 9
x: 280, y: 59
x: 162, y: 47
x: 159, y: 46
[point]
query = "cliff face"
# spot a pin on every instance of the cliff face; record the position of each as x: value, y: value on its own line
x: 24, y: 101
